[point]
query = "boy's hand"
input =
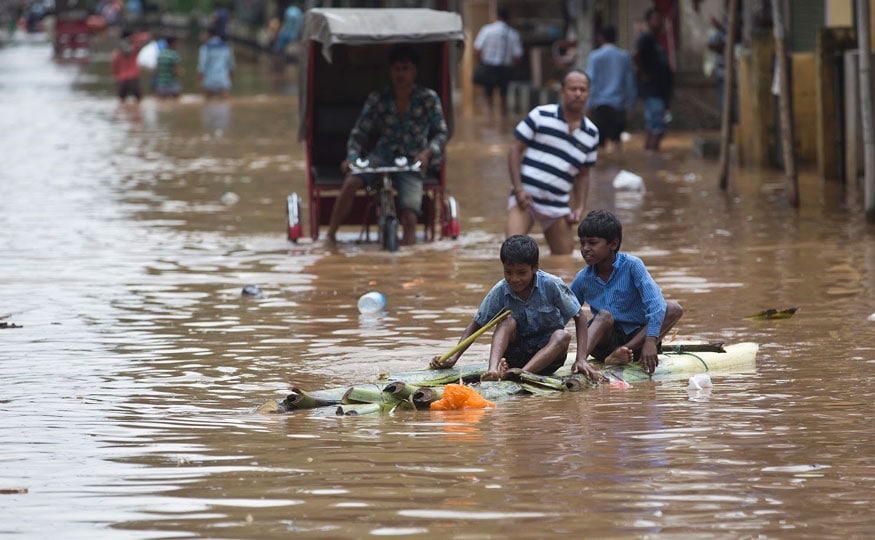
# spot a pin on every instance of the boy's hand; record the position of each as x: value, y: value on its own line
x: 437, y: 364
x: 585, y: 368
x: 649, y: 358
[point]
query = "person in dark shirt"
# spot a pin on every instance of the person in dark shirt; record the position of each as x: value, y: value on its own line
x: 655, y: 78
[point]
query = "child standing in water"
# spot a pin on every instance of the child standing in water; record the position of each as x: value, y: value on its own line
x: 168, y: 71
x: 533, y: 337
x: 124, y: 64
x: 630, y: 314
x: 215, y: 64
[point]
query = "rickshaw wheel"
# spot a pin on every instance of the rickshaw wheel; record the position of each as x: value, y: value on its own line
x: 389, y: 234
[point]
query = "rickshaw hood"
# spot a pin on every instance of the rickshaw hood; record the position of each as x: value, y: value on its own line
x: 360, y: 26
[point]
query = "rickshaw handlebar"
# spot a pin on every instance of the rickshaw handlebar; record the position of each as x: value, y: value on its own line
x: 361, y: 166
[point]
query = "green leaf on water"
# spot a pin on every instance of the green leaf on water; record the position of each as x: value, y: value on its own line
x: 773, y: 314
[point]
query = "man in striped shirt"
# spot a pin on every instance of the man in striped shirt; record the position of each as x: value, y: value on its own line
x: 549, y: 161
x: 630, y: 316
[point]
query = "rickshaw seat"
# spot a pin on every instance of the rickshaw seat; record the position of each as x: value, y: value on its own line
x: 329, y: 176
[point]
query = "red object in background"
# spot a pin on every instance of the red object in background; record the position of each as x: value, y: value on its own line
x: 95, y: 23
x: 670, y: 36
x: 71, y: 34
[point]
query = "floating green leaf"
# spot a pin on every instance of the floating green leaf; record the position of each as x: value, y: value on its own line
x: 773, y: 314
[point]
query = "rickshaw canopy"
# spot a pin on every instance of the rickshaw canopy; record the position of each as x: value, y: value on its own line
x: 362, y: 26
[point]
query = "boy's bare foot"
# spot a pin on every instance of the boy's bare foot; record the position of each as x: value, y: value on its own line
x: 495, y: 375
x: 620, y: 357
x: 490, y: 376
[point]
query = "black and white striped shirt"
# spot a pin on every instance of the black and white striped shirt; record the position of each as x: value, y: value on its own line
x: 554, y: 157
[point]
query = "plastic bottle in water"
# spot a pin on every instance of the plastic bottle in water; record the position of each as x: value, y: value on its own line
x: 372, y: 302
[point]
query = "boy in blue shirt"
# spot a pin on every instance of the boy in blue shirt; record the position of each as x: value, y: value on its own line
x: 533, y: 337
x: 630, y: 316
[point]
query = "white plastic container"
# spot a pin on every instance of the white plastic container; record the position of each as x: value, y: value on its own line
x: 372, y: 302
x: 700, y: 381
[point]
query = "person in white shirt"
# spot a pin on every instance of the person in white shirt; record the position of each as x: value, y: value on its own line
x: 499, y: 48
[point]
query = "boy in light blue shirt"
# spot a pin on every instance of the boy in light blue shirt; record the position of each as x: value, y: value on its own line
x: 215, y: 64
x: 630, y: 315
x: 533, y: 337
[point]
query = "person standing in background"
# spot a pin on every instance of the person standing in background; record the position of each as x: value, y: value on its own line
x: 215, y: 65
x: 655, y: 78
x: 290, y: 31
x: 124, y: 64
x: 612, y: 89
x: 168, y: 71
x: 499, y: 48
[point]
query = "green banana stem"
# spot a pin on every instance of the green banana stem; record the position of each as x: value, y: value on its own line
x: 399, y: 390
x: 359, y: 409
x: 425, y: 396
x: 470, y: 339
x: 366, y: 394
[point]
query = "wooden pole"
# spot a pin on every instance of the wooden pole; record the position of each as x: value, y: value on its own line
x: 784, y: 106
x: 728, y: 85
x: 863, y: 32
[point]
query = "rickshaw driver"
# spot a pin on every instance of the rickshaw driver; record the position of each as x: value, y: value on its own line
x: 405, y: 119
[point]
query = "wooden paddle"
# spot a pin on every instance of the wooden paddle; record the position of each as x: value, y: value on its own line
x: 470, y: 339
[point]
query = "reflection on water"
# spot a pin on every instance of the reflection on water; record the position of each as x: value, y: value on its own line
x: 128, y: 393
x: 217, y: 116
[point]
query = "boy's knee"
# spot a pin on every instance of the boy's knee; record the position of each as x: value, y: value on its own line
x: 509, y: 323
x: 673, y: 309
x: 562, y: 337
x: 605, y: 316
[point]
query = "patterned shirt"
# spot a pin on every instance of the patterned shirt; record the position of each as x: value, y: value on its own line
x: 423, y: 126
x: 554, y: 157
x: 550, y: 306
x: 498, y: 44
x: 165, y: 71
x: 630, y: 294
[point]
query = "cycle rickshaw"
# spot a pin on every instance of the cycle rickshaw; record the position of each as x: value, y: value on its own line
x: 344, y: 58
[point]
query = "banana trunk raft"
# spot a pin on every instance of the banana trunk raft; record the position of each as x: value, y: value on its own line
x: 415, y: 390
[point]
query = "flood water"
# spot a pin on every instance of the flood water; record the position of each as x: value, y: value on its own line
x: 128, y: 395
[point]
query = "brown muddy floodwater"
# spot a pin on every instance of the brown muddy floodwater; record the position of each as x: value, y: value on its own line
x: 128, y: 395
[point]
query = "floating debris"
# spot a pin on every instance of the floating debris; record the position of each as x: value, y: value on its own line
x: 772, y: 314
x: 251, y: 290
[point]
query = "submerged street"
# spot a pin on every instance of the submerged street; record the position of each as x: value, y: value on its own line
x: 128, y: 394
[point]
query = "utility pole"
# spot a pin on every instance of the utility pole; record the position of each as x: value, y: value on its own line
x: 584, y: 30
x: 728, y: 85
x: 784, y: 105
x: 864, y: 47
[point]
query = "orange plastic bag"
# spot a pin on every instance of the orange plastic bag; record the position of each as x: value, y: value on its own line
x: 459, y: 396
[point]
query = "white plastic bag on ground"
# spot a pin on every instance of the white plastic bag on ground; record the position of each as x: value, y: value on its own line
x: 628, y: 181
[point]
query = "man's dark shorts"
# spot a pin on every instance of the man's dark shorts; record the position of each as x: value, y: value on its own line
x: 496, y: 77
x: 520, y: 351
x: 617, y: 338
x: 610, y: 121
x: 129, y: 87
